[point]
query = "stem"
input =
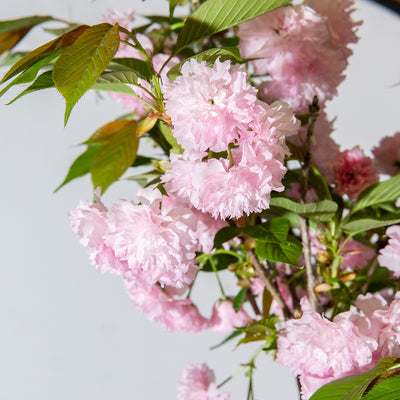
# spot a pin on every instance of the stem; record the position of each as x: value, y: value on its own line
x: 253, y: 303
x: 271, y: 286
x: 298, y: 385
x: 314, y: 111
x: 369, y: 274
x: 214, y: 267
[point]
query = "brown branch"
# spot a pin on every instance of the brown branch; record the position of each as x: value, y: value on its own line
x: 314, y: 112
x: 264, y: 275
x: 253, y: 303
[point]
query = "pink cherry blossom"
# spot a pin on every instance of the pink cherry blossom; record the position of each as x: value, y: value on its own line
x: 209, y: 107
x: 390, y: 255
x: 387, y: 154
x: 354, y: 172
x: 301, y: 50
x: 172, y: 312
x: 198, y: 383
x: 89, y: 222
x: 321, y: 351
x: 242, y: 182
x: 224, y: 318
x: 140, y: 242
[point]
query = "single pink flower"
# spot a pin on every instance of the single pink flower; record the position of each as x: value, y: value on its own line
x: 387, y: 154
x: 198, y: 383
x: 390, y: 255
x: 354, y: 172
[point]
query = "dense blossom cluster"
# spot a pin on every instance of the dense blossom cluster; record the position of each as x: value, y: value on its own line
x: 304, y: 50
x: 233, y: 128
x: 320, y: 350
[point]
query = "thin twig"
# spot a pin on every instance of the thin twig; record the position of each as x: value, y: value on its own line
x: 264, y: 275
x: 253, y: 303
x: 314, y: 111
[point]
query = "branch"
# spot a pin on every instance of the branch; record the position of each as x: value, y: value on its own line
x: 271, y: 286
x: 314, y: 111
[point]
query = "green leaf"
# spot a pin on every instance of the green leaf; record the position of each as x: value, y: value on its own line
x: 139, y: 67
x: 353, y: 387
x: 365, y: 224
x: 225, y: 234
x: 389, y: 389
x: 30, y: 73
x: 116, y: 156
x: 214, y: 16
x: 43, y: 51
x: 81, y: 166
x: 288, y: 252
x: 170, y: 138
x: 142, y: 179
x: 11, y: 32
x: 275, y: 230
x: 116, y: 82
x: 209, y: 56
x: 322, y: 211
x: 222, y: 259
x: 382, y: 192
x: 261, y: 330
x: 239, y: 299
x: 227, y: 339
x: 43, y: 81
x: 79, y: 66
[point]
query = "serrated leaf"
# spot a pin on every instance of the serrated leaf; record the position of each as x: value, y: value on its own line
x: 43, y: 81
x: 353, y: 387
x: 365, y: 224
x: 266, y: 302
x: 288, y: 252
x: 115, y: 157
x: 11, y: 32
x: 322, y: 211
x: 239, y: 299
x: 139, y: 67
x: 209, y: 56
x: 116, y: 82
x: 81, y: 166
x: 261, y: 330
x: 81, y: 64
x: 43, y: 51
x: 389, y: 389
x: 382, y: 192
x: 214, y: 16
x: 30, y: 73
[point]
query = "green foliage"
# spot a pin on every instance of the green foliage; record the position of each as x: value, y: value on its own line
x: 389, y: 389
x: 79, y: 66
x: 239, y: 299
x: 173, y: 4
x: 261, y: 330
x: 12, y: 31
x: 220, y: 258
x: 382, y: 192
x: 45, y: 50
x: 116, y: 156
x: 116, y: 82
x: 81, y: 166
x: 111, y: 151
x: 287, y: 252
x: 214, y: 16
x: 356, y: 226
x: 322, y: 211
x: 139, y: 67
x: 209, y: 56
x: 43, y: 81
x: 353, y: 387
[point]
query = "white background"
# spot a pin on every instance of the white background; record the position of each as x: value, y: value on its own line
x: 67, y: 332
